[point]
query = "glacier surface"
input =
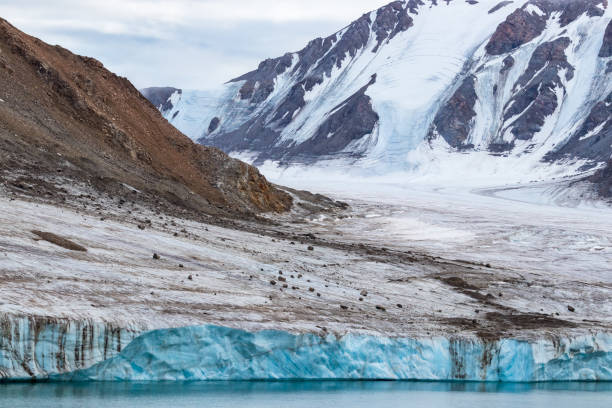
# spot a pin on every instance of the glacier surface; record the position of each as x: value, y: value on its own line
x: 219, y: 353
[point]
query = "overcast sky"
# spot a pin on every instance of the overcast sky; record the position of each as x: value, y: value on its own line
x: 191, y: 44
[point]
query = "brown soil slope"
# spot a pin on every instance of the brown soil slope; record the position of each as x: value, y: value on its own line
x: 61, y: 113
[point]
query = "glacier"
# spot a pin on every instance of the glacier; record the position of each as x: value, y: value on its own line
x: 37, y: 347
x: 220, y: 353
x: 68, y: 350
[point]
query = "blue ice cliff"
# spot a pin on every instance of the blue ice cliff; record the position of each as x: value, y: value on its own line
x: 218, y: 353
x: 37, y: 347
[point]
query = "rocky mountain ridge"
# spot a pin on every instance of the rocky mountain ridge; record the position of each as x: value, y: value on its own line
x: 531, y: 79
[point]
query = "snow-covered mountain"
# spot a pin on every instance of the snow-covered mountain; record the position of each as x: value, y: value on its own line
x: 423, y: 80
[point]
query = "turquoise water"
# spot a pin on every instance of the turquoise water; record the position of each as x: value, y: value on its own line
x: 306, y: 394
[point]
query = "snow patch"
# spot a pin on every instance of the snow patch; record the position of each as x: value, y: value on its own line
x: 533, y: 9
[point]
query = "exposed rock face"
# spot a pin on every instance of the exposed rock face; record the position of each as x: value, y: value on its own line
x: 260, y: 83
x: 606, y: 47
x: 65, y: 113
x: 528, y: 22
x: 508, y: 64
x: 519, y: 28
x: 350, y: 121
x: 160, y: 96
x: 453, y: 121
x: 603, y: 180
x: 594, y: 138
x: 214, y: 124
x: 390, y: 21
x: 537, y: 98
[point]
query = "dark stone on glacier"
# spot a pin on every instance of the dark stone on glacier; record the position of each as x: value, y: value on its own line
x: 537, y: 98
x: 453, y: 122
x: 606, y: 47
x: 160, y: 97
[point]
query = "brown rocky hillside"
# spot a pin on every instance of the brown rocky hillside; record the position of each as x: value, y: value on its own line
x: 66, y: 116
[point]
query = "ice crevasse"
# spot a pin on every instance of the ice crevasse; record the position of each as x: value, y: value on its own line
x: 218, y: 353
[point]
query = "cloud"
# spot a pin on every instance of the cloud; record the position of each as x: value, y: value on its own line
x: 184, y: 43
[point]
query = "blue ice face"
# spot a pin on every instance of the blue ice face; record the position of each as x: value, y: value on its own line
x: 36, y: 347
x: 218, y: 353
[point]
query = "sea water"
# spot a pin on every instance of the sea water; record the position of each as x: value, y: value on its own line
x: 336, y: 394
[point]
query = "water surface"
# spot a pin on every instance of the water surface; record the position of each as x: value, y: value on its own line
x: 332, y: 394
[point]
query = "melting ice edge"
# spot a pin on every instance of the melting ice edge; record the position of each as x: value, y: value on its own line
x: 86, y: 351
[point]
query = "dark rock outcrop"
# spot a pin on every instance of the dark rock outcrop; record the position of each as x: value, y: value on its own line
x: 519, y: 28
x: 214, y: 124
x: 537, y: 97
x: 606, y: 47
x: 160, y: 97
x: 390, y: 21
x: 594, y: 139
x: 603, y: 180
x: 508, y: 63
x: 453, y: 121
x: 260, y: 83
x: 351, y: 120
x: 524, y: 25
